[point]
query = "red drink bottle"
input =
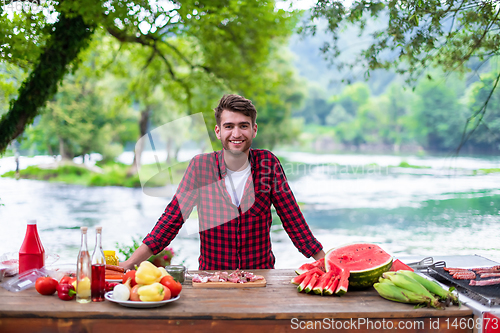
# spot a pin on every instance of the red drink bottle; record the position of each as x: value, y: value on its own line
x: 98, y: 269
x: 31, y: 254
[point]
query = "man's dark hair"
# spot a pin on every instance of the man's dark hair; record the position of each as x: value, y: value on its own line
x: 235, y: 103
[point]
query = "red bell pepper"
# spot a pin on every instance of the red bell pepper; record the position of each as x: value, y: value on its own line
x: 66, y: 292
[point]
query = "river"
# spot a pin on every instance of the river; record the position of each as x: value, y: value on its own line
x: 443, y: 208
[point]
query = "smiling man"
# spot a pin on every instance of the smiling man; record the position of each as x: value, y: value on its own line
x: 233, y: 190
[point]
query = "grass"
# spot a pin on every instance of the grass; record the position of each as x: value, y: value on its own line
x: 487, y: 171
x: 114, y: 174
x: 405, y: 164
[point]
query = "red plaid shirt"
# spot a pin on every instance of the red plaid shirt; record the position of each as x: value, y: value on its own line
x: 234, y: 237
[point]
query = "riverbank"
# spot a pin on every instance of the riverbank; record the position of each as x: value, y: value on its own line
x: 109, y: 174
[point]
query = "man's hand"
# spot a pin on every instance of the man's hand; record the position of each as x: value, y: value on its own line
x: 142, y: 253
x: 319, y: 255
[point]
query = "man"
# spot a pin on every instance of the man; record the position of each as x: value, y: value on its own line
x: 233, y: 190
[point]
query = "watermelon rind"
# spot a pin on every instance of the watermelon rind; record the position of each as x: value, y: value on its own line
x: 360, y: 278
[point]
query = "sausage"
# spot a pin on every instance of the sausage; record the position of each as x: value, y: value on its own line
x: 115, y: 268
x: 484, y: 282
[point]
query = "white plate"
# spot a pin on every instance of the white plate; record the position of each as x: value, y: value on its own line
x: 114, y: 280
x: 133, y: 304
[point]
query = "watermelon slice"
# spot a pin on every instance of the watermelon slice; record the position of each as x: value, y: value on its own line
x: 365, y: 263
x: 398, y: 265
x: 322, y: 282
x: 312, y: 283
x: 331, y: 286
x: 343, y: 279
x: 307, y: 267
x: 298, y: 279
x: 302, y: 286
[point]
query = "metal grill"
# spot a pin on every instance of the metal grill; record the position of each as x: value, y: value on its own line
x: 486, y: 295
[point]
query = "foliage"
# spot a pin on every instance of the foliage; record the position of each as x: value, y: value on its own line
x: 454, y: 35
x: 190, y: 39
x: 128, y: 250
x: 113, y: 174
x: 68, y: 36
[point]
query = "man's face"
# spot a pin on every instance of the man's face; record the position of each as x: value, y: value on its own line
x: 235, y: 132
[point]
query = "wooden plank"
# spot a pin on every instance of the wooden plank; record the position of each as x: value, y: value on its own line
x: 9, y: 325
x: 225, y: 285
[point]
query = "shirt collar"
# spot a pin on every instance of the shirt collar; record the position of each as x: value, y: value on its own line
x: 222, y: 166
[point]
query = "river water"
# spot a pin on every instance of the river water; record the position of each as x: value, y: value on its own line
x: 443, y: 209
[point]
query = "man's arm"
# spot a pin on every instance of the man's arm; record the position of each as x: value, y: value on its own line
x: 142, y: 253
x: 319, y: 255
x: 289, y: 212
x: 170, y: 222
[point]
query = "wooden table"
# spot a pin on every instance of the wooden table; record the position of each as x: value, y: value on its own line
x: 275, y: 308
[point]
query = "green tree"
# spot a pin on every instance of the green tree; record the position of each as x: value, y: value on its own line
x: 230, y: 41
x: 453, y: 35
x: 488, y: 126
x: 437, y: 116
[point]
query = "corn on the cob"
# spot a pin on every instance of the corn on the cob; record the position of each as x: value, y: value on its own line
x: 432, y: 286
x: 397, y: 294
x: 407, y: 283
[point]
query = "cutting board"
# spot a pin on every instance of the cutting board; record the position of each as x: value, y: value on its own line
x: 223, y: 285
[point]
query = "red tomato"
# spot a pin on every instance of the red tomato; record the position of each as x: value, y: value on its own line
x: 66, y: 279
x: 130, y: 274
x: 166, y: 293
x: 46, y: 285
x: 174, y: 286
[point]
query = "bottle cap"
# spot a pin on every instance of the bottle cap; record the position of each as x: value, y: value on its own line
x: 31, y: 221
x: 83, y: 229
x: 98, y: 229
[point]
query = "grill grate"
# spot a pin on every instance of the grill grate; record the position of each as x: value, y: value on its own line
x: 486, y: 295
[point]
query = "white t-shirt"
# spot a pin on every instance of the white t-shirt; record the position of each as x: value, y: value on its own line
x: 238, y: 180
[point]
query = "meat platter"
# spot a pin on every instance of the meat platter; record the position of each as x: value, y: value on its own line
x: 236, y: 279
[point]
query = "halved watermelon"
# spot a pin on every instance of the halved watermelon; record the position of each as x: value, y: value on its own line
x: 364, y: 262
x: 398, y: 265
x: 307, y: 267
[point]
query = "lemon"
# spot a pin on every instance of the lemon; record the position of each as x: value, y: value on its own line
x: 83, y: 288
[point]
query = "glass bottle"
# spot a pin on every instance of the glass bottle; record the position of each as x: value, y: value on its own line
x: 83, y: 271
x: 31, y: 254
x: 98, y: 268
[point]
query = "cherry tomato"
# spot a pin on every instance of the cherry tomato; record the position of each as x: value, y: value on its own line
x: 134, y: 295
x: 130, y: 274
x: 174, y: 286
x: 46, y: 285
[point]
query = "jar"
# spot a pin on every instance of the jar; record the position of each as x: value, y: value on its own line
x: 111, y: 258
x: 178, y: 272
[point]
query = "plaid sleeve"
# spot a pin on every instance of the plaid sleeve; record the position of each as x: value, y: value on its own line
x: 176, y: 212
x: 289, y: 212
